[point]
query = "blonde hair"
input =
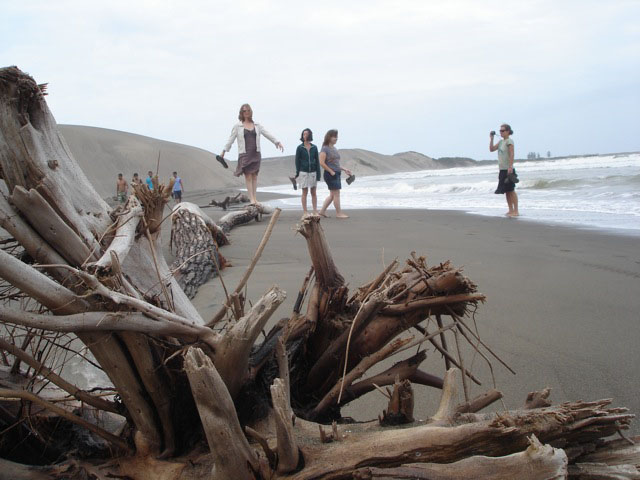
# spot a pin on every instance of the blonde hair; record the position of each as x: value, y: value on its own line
x: 241, y: 116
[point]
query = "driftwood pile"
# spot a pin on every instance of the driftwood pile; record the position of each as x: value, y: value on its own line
x: 194, y: 398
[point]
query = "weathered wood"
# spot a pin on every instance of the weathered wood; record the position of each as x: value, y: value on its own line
x: 228, y: 200
x: 493, y: 436
x: 38, y: 286
x: 232, y: 351
x: 538, y: 399
x: 32, y: 242
x: 478, y: 403
x: 405, y: 369
x: 449, y: 397
x: 51, y: 227
x: 124, y: 235
x: 537, y: 462
x: 327, y: 273
x: 233, y: 457
x: 400, y: 407
x: 288, y: 454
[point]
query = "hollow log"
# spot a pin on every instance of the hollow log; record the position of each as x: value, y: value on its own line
x: 196, y: 252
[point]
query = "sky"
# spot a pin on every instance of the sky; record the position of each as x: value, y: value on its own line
x: 391, y: 76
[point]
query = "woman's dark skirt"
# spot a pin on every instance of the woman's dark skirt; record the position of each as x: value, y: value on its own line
x: 332, y: 181
x: 504, y: 186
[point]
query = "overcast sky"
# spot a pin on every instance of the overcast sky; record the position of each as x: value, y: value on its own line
x: 423, y: 75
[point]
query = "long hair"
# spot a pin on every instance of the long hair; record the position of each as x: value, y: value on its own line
x: 310, y: 135
x: 328, y: 136
x: 507, y: 127
x: 241, y: 116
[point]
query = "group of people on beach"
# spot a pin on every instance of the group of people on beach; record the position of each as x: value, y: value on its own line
x: 122, y: 187
x: 308, y: 161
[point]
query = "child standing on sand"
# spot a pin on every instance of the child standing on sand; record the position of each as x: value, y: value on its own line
x: 505, y: 150
x: 330, y: 161
x: 308, y: 169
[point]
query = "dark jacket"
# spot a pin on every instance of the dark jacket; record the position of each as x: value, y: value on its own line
x: 307, y: 161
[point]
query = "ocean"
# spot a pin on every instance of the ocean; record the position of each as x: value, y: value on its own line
x: 593, y: 192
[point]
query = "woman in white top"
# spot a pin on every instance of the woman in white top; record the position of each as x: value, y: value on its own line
x: 247, y: 133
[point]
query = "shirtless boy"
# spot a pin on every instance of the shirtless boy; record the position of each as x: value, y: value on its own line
x: 122, y: 187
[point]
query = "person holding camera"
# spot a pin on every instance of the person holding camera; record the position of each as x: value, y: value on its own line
x: 506, y: 175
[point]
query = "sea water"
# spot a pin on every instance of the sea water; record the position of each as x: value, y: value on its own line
x: 600, y: 192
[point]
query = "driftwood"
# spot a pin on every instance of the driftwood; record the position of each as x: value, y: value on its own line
x: 228, y: 200
x: 188, y: 394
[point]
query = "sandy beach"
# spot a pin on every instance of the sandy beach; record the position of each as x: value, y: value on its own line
x: 562, y: 303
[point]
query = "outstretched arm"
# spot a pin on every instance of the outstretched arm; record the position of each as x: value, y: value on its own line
x: 272, y: 139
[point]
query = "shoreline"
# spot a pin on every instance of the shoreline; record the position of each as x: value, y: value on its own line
x: 561, y: 308
x: 205, y: 196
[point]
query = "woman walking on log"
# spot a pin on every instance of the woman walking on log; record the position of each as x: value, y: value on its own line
x: 308, y: 169
x: 330, y: 161
x: 247, y: 133
x: 506, y: 185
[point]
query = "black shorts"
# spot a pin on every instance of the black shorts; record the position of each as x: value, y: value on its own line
x: 504, y: 187
x: 332, y: 181
x: 177, y: 195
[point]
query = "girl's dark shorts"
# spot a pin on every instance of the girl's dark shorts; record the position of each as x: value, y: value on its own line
x: 502, y: 186
x: 332, y: 181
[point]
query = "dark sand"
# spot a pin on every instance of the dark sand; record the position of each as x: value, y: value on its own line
x: 562, y: 304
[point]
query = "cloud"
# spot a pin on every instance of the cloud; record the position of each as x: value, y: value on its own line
x: 180, y: 70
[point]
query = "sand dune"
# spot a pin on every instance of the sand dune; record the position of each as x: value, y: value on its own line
x: 103, y: 153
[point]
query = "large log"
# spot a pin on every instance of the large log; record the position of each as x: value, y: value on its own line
x: 537, y: 462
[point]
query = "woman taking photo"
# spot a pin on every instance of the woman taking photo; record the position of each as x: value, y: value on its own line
x: 247, y: 133
x: 330, y: 161
x: 505, y: 150
x: 308, y: 169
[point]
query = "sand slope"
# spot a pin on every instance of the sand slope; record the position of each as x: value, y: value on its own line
x: 103, y: 153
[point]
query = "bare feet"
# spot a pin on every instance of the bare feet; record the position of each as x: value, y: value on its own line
x: 341, y: 215
x: 323, y: 215
x: 513, y: 214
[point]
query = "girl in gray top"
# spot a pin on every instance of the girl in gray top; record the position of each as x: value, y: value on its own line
x: 330, y: 161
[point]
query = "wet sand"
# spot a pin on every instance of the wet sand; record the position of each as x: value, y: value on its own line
x: 563, y: 305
